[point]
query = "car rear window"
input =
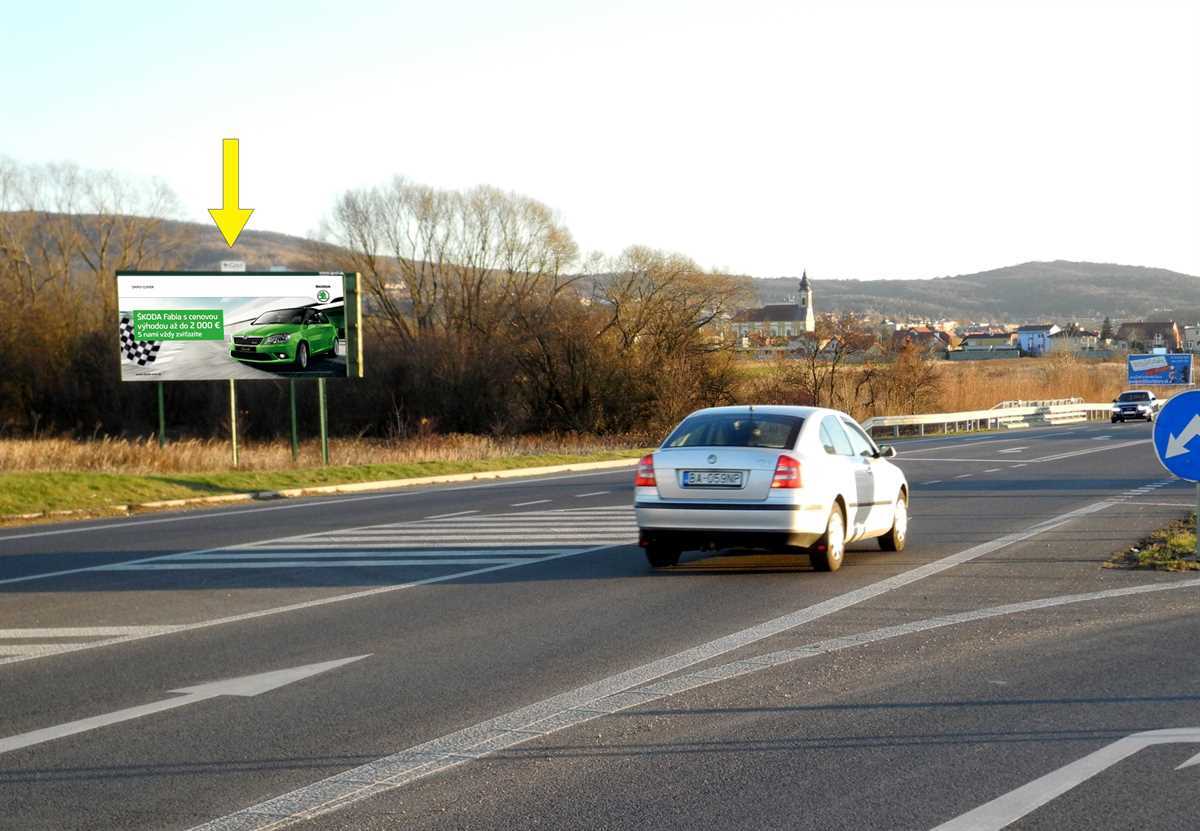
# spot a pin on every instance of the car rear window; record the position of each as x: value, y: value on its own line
x: 777, y: 432
x: 1135, y: 396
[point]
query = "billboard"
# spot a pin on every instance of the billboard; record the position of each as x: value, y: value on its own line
x: 211, y: 325
x: 1173, y: 368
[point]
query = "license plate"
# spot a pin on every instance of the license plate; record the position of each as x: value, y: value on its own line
x: 712, y: 478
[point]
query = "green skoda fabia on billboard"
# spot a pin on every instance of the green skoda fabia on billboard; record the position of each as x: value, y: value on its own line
x: 285, y: 336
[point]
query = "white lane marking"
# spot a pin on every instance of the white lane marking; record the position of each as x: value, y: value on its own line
x: 977, y: 442
x: 532, y: 502
x: 447, y: 516
x: 1014, y: 449
x: 238, y: 564
x: 992, y: 470
x: 1072, y: 453
x: 80, y: 631
x: 354, y: 553
x: 932, y: 482
x: 963, y: 475
x: 1022, y: 464
x: 463, y: 543
x: 245, y: 687
x: 303, y: 539
x: 453, y: 539
x: 37, y: 649
x: 343, y: 500
x: 1100, y: 438
x: 323, y: 601
x: 1053, y: 458
x: 610, y: 695
x: 593, y: 493
x: 1007, y: 809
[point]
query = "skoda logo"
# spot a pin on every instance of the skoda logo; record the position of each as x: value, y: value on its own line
x: 712, y: 458
x: 323, y: 296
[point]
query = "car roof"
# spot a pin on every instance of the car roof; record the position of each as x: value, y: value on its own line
x: 1148, y: 392
x: 772, y: 409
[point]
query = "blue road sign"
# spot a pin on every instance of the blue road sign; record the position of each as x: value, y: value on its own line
x: 1173, y: 368
x: 1175, y: 436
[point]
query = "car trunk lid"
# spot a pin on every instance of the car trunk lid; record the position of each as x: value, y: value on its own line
x: 756, y: 467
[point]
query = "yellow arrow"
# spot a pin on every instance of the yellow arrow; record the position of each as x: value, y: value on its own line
x: 230, y: 218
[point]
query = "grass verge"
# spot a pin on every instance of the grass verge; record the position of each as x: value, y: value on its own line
x: 96, y: 492
x: 1172, y: 548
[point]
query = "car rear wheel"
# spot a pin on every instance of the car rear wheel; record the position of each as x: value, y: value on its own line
x: 661, y: 556
x: 894, y: 539
x: 302, y: 355
x: 830, y: 550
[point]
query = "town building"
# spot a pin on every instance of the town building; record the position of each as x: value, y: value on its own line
x: 1142, y: 336
x: 779, y: 320
x: 1034, y: 339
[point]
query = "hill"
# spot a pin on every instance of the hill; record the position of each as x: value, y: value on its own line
x: 1034, y: 291
x: 1058, y: 290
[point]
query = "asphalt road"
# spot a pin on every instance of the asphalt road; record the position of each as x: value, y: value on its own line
x: 509, y: 661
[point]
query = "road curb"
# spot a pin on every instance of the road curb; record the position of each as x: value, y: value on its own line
x: 349, y: 487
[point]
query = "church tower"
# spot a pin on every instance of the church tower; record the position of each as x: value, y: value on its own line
x: 806, y: 303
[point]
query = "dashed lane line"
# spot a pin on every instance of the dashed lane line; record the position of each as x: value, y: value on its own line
x: 531, y: 502
x: 448, y: 516
x: 593, y: 493
x: 992, y: 470
x: 964, y: 475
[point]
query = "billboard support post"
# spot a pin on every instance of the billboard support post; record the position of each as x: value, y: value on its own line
x: 233, y: 419
x: 324, y: 421
x: 295, y: 429
x: 162, y: 418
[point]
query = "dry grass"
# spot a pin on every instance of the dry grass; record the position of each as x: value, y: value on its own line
x: 144, y: 456
x: 979, y: 385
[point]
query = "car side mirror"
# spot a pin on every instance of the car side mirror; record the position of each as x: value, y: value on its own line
x: 887, y: 452
x: 1114, y: 401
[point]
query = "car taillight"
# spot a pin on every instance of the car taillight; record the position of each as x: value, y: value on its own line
x: 645, y: 473
x: 787, y: 473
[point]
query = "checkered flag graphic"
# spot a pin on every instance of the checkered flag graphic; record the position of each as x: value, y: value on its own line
x: 141, y: 352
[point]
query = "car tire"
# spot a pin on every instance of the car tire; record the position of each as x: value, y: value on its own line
x: 1150, y: 418
x: 1115, y: 420
x: 661, y: 556
x: 894, y: 539
x: 830, y: 550
x: 302, y: 355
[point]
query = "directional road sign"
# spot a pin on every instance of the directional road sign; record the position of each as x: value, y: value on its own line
x: 1175, y: 431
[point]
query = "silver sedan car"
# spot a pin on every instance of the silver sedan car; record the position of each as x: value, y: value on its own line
x: 769, y: 477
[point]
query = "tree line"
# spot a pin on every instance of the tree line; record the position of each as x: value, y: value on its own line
x: 482, y: 315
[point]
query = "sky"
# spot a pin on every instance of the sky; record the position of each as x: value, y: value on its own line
x: 852, y: 138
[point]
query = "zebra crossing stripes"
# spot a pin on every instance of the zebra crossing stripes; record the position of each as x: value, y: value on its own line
x: 460, y: 540
x: 19, y: 644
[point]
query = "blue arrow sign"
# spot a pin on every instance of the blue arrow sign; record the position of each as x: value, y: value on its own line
x: 1175, y: 431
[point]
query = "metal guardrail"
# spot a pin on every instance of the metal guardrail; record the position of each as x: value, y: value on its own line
x: 1042, y: 402
x: 996, y: 418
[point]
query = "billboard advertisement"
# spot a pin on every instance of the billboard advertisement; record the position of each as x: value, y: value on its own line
x: 213, y: 326
x: 1173, y: 368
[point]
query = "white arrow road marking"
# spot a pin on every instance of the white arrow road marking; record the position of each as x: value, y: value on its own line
x: 1013, y: 805
x: 247, y: 685
x: 1177, y: 445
